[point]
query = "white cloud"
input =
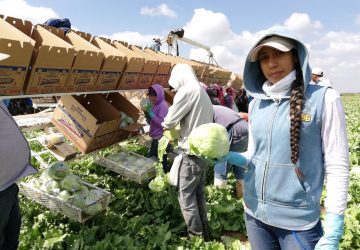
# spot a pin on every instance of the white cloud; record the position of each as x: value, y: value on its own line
x: 338, y: 54
x: 302, y: 24
x: 161, y: 10
x: 208, y: 27
x: 20, y: 9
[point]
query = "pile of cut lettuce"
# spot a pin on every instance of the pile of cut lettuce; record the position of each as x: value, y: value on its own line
x: 56, y: 180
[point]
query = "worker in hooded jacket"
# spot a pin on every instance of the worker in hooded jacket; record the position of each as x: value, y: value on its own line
x: 191, y: 108
x: 297, y: 139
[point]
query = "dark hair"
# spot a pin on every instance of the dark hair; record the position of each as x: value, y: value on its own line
x: 296, y: 106
x: 152, y: 92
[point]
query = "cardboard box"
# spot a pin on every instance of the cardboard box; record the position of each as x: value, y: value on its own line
x: 121, y: 104
x: 19, y: 46
x: 197, y: 67
x: 133, y: 68
x: 221, y: 75
x: 209, y: 75
x: 150, y: 68
x: 162, y: 74
x: 87, y: 63
x: 206, y: 77
x: 112, y: 67
x: 88, y: 121
x: 173, y: 60
x: 236, y: 81
x: 51, y: 63
x: 169, y: 96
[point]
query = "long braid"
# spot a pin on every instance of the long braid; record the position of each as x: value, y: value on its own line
x: 296, y: 106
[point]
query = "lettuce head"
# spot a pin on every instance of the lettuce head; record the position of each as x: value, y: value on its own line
x: 210, y: 141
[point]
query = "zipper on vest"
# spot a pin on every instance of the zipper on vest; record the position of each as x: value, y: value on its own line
x: 263, y: 182
x: 277, y: 102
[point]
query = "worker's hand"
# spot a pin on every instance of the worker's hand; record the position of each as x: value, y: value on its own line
x: 235, y: 158
x: 147, y: 117
x: 151, y: 114
x: 148, y: 108
x: 245, y: 116
x: 333, y: 230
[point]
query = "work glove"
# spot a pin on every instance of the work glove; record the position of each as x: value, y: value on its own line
x: 151, y: 114
x: 148, y: 108
x: 235, y: 158
x: 333, y: 230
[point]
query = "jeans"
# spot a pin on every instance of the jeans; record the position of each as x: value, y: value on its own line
x: 264, y: 237
x: 10, y: 219
x: 154, y: 152
x: 192, y: 197
x: 222, y: 169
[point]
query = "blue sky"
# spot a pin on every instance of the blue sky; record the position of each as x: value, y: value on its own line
x: 330, y: 29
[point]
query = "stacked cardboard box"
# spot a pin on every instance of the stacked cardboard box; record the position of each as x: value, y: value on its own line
x: 162, y: 73
x: 19, y: 46
x: 149, y: 70
x: 133, y: 68
x: 112, y: 67
x: 86, y: 66
x: 51, y: 63
x: 165, y: 65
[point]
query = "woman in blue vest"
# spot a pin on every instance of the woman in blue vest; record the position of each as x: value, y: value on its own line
x: 297, y: 139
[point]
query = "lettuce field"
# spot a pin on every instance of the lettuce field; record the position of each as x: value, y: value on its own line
x: 140, y: 218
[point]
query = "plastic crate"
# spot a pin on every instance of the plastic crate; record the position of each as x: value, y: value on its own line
x: 63, y: 207
x: 122, y: 163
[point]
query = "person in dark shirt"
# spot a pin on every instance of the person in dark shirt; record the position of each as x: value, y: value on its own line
x: 237, y: 128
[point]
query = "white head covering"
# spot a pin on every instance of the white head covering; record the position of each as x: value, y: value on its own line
x: 181, y: 75
x: 317, y: 71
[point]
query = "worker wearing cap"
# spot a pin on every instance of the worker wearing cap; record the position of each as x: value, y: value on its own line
x: 317, y: 76
x: 15, y: 164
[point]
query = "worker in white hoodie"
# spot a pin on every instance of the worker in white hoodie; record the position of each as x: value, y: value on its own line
x: 191, y: 108
x: 318, y: 78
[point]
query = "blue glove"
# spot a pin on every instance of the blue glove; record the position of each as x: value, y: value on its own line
x: 151, y: 114
x: 333, y: 230
x: 237, y: 159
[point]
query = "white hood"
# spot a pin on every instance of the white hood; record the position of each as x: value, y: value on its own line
x: 181, y: 75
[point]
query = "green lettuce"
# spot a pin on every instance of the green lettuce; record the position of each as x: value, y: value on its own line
x: 209, y: 141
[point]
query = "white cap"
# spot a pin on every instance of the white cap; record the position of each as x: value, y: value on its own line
x: 3, y: 56
x: 317, y: 71
x: 280, y: 43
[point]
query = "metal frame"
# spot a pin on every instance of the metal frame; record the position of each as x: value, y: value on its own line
x: 70, y: 93
x: 172, y: 41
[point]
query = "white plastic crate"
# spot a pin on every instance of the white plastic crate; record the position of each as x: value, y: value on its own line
x: 130, y: 165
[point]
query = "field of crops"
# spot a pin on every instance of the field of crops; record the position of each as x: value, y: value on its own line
x: 139, y: 218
